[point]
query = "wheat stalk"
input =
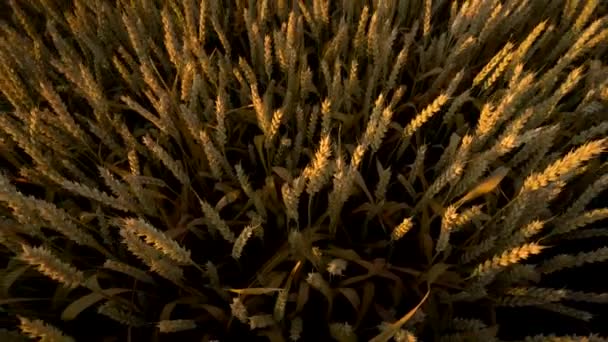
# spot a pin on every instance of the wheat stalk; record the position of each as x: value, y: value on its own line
x: 158, y: 239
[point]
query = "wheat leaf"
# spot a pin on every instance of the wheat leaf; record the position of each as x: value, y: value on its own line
x: 76, y: 307
x: 369, y: 292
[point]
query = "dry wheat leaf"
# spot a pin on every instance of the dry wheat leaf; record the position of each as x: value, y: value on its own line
x: 76, y: 307
x: 227, y: 199
x: 351, y: 295
x: 486, y: 186
x: 369, y: 291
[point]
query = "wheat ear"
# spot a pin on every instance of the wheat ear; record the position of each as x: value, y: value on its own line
x: 424, y: 116
x: 44, y: 331
x: 216, y: 222
x: 563, y: 261
x: 91, y: 193
x: 241, y: 241
x: 174, y: 166
x: 447, y: 225
x: 585, y: 198
x: 496, y: 60
x: 565, y: 167
x: 140, y: 249
x: 384, y: 177
x: 295, y: 329
x: 581, y: 220
x: 167, y: 269
x: 260, y: 321
x: 318, y: 170
x: 556, y: 338
x: 404, y: 227
x: 51, y: 266
x: 158, y: 239
x: 238, y: 310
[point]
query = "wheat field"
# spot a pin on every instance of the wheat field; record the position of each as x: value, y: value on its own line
x: 306, y: 170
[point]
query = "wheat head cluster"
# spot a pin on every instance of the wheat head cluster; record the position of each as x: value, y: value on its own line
x: 379, y: 170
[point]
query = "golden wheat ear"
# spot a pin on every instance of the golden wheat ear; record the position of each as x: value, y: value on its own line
x: 39, y: 329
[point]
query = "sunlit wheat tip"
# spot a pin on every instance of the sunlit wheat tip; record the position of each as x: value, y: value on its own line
x: 402, y: 229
